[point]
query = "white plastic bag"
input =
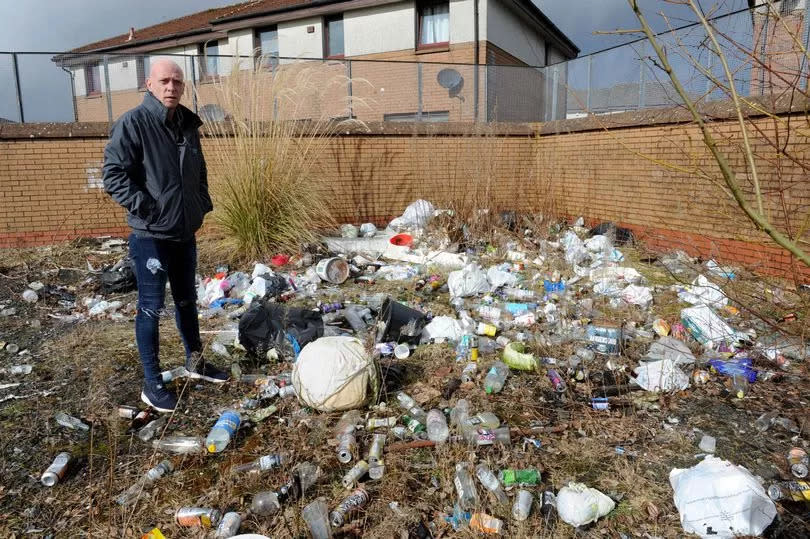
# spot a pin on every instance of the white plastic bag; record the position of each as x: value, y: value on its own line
x: 598, y: 244
x: 717, y: 499
x: 672, y: 349
x: 335, y: 373
x: 575, y: 251
x: 578, y: 504
x: 637, y: 295
x: 703, y: 292
x: 706, y: 327
x: 416, y: 215
x: 443, y: 327
x: 468, y: 281
x: 663, y: 375
x: 498, y: 278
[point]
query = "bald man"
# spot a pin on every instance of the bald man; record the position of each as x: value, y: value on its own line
x: 154, y: 168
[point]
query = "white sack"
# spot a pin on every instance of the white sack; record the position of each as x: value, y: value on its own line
x: 443, y: 327
x: 663, y: 375
x: 468, y: 281
x: 578, y: 504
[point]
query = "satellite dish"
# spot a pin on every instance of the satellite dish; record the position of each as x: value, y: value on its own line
x: 212, y: 113
x: 450, y: 79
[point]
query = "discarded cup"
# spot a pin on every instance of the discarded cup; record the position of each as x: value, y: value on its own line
x: 523, y: 505
x: 315, y: 514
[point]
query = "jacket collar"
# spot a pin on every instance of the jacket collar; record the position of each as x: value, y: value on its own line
x: 159, y: 111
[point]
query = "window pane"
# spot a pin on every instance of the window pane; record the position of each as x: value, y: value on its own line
x: 334, y: 46
x: 268, y: 40
x: 142, y: 68
x: 434, y: 24
x: 211, y: 59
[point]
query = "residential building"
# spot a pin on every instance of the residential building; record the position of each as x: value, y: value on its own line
x: 456, y: 60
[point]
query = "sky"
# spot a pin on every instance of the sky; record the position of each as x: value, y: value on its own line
x: 59, y: 25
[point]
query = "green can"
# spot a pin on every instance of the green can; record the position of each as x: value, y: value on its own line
x: 511, y: 477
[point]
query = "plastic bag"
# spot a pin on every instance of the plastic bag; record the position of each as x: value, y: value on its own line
x: 598, y: 243
x: 416, y: 215
x: 575, y: 251
x: 663, y: 375
x: 671, y: 349
x: 578, y: 504
x: 443, y: 327
x: 703, y: 292
x: 706, y: 327
x: 335, y: 374
x: 717, y: 499
x: 637, y: 295
x: 468, y: 281
x: 498, y: 277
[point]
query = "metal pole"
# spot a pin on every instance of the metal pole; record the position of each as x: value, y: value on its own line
x: 588, y: 91
x: 806, y: 23
x: 107, y: 88
x: 194, y: 83
x: 710, y: 68
x: 641, y: 77
x: 419, y: 91
x: 17, y: 87
x: 554, y: 82
x: 349, y: 77
x: 762, y: 50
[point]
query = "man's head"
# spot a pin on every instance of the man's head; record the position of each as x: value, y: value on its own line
x: 166, y: 82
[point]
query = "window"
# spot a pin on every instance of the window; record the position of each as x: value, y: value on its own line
x: 141, y: 69
x: 211, y: 66
x: 92, y: 78
x: 427, y: 116
x: 433, y: 24
x: 266, y: 42
x: 333, y: 36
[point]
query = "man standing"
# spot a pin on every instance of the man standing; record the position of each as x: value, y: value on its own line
x: 154, y: 168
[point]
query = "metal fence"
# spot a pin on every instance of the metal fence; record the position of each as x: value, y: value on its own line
x: 764, y: 48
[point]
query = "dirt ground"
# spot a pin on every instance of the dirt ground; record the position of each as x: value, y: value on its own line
x: 87, y: 368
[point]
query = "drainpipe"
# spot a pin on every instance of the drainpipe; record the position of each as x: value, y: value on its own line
x: 476, y: 60
x: 72, y: 92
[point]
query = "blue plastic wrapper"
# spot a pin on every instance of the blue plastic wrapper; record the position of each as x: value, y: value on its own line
x: 730, y: 367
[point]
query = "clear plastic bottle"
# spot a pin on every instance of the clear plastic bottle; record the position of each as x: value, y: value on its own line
x: 132, y: 493
x: 468, y: 374
x: 491, y: 483
x: 71, y: 422
x: 484, y: 420
x: 437, y: 426
x: 316, y: 515
x: 180, y: 445
x: 413, y: 409
x: 496, y: 377
x: 460, y: 412
x: 228, y: 526
x: 265, y: 503
x: 223, y: 430
x: 148, y: 431
x: 465, y: 487
x: 493, y: 436
x: 262, y: 464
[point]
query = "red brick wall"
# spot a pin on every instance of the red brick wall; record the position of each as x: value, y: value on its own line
x: 50, y: 190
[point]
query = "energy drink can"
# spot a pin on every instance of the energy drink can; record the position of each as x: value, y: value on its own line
x: 556, y: 381
x: 197, y: 517
x: 376, y: 449
x: 352, y: 476
x: 349, y: 505
x: 56, y: 471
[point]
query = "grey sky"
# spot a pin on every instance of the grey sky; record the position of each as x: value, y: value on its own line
x: 59, y: 25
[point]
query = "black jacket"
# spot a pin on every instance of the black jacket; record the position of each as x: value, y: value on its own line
x: 159, y: 178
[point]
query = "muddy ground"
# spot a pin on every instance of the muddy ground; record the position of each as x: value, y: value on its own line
x: 87, y: 368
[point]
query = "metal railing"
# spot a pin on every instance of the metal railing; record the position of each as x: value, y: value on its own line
x: 764, y: 50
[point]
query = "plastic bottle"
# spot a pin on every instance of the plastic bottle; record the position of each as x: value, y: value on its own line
x: 223, y: 430
x: 268, y: 391
x: 493, y: 436
x: 459, y: 519
x: 173, y: 374
x: 265, y: 503
x: 71, y: 422
x: 229, y: 525
x: 460, y: 412
x: 344, y: 432
x: 437, y: 426
x: 523, y: 505
x: 150, y: 429
x: 484, y: 420
x: 132, y: 493
x: 548, y: 509
x: 180, y: 445
x: 413, y: 409
x: 486, y: 523
x: 787, y: 424
x: 465, y: 488
x: 468, y: 374
x: 491, y: 483
x: 262, y: 464
x: 496, y: 377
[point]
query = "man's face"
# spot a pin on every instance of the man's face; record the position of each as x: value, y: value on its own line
x: 166, y: 83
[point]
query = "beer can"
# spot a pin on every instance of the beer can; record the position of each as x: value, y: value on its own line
x: 351, y: 503
x: 376, y: 449
x: 229, y: 525
x: 352, y: 476
x: 199, y: 517
x: 127, y: 412
x: 473, y: 348
x: 56, y: 471
x: 798, y: 460
x: 380, y: 422
x: 556, y: 381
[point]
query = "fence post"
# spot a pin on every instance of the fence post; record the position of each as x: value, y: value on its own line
x: 107, y: 88
x: 17, y: 87
x: 194, y: 83
x: 588, y: 90
x: 349, y: 87
x: 762, y: 51
x: 710, y: 68
x: 641, y: 77
x: 806, y: 23
x: 419, y: 91
x: 554, y: 82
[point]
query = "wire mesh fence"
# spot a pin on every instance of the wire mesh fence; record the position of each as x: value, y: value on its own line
x: 763, y: 53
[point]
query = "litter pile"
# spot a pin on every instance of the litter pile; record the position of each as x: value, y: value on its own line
x: 414, y: 344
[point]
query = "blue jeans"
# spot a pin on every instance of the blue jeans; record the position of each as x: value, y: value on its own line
x: 157, y: 261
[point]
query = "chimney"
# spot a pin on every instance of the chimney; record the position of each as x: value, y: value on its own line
x: 131, y: 33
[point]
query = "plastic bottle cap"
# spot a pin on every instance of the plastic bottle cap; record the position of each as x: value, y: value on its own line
x: 402, y: 351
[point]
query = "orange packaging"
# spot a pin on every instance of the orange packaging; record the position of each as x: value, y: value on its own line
x: 154, y: 533
x: 486, y: 523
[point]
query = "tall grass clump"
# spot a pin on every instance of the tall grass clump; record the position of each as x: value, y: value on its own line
x: 264, y: 156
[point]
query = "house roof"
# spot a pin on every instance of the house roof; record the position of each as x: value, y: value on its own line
x: 196, y: 22
x: 210, y: 19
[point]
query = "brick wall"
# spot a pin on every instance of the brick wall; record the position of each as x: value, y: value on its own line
x: 50, y: 181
